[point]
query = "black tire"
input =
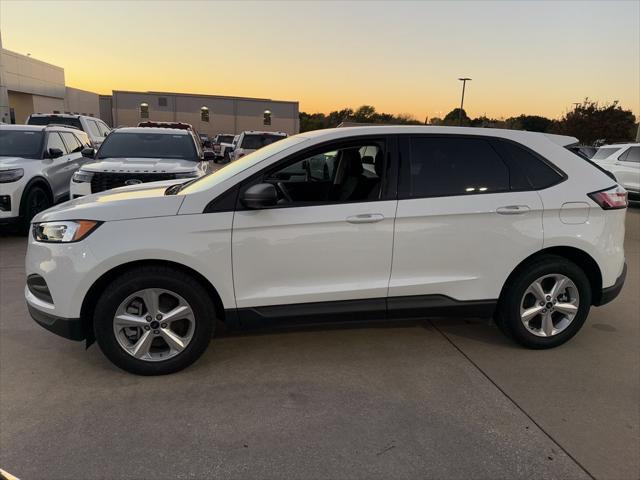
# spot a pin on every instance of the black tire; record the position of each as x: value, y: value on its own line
x: 508, y: 311
x: 34, y: 201
x: 227, y: 158
x: 154, y: 277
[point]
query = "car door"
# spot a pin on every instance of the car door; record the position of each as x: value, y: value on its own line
x: 58, y: 170
x: 627, y: 169
x: 74, y: 157
x: 328, y: 242
x: 460, y: 228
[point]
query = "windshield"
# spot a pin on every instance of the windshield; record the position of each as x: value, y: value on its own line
x: 604, y: 152
x: 225, y: 139
x: 20, y: 143
x: 148, y: 145
x: 74, y: 122
x: 233, y: 168
x: 253, y: 141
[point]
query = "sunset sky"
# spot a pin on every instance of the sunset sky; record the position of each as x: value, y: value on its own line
x: 402, y: 57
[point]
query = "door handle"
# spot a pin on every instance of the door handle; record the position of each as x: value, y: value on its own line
x: 366, y: 218
x: 513, y: 210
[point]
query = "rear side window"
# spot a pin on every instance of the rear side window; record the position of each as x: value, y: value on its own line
x: 82, y: 137
x: 528, y: 171
x: 443, y: 166
x: 71, y: 142
x: 93, y: 128
x: 604, y: 152
x: 632, y: 155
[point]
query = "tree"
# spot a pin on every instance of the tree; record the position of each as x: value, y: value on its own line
x: 453, y: 118
x: 591, y: 123
x: 531, y: 123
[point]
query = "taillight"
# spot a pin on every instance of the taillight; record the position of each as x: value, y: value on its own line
x: 610, y: 198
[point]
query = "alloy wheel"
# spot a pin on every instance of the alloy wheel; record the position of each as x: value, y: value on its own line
x: 549, y: 305
x: 154, y: 324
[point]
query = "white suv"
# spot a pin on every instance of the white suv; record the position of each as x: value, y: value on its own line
x: 134, y: 155
x: 95, y: 128
x: 36, y: 165
x: 623, y: 161
x: 251, y: 140
x: 457, y: 221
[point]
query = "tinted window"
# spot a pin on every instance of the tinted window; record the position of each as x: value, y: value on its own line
x: 54, y: 141
x: 72, y: 121
x: 16, y: 143
x: 455, y: 166
x: 254, y: 141
x: 633, y: 155
x: 604, y: 152
x: 93, y: 129
x: 148, y: 145
x: 71, y: 142
x: 527, y: 170
x: 333, y: 176
x: 225, y: 139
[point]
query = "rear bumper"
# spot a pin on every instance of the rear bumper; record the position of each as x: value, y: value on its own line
x: 71, y: 328
x: 610, y: 293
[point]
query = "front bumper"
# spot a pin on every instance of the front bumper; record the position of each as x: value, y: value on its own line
x: 610, y: 293
x: 71, y: 328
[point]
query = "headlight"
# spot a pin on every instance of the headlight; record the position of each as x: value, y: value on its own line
x: 63, y: 232
x: 82, y: 177
x: 7, y: 176
x: 192, y: 174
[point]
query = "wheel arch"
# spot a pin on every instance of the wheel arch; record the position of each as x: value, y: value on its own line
x: 92, y: 295
x: 581, y: 258
x: 35, y: 182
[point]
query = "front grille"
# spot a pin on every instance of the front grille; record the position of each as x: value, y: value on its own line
x: 109, y: 180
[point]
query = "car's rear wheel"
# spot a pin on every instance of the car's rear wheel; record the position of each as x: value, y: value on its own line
x: 154, y: 321
x: 35, y: 201
x: 545, y: 304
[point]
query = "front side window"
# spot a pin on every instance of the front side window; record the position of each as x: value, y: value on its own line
x: 83, y: 139
x: 104, y: 129
x: 442, y: 166
x: 71, y: 142
x: 335, y: 175
x: 54, y: 141
x: 93, y: 129
x: 20, y: 143
x: 148, y: 145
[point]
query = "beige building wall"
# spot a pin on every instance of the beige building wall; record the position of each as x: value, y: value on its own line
x: 226, y: 114
x: 28, y: 75
x: 81, y: 101
x: 47, y: 104
x: 22, y: 105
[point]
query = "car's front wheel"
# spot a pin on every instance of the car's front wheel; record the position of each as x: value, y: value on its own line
x: 36, y: 200
x: 154, y: 321
x: 545, y: 304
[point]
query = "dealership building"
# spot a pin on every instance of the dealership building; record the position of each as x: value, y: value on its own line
x: 210, y: 114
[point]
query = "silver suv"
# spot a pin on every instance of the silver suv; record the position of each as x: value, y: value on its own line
x: 36, y: 165
x: 95, y: 128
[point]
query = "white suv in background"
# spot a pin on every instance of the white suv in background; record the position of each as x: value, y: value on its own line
x: 95, y: 128
x: 252, y: 140
x: 448, y: 221
x: 134, y: 155
x: 36, y: 165
x: 623, y: 161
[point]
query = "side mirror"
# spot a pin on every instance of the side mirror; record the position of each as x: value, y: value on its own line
x: 55, y: 153
x: 88, y: 152
x: 262, y: 195
x: 208, y: 155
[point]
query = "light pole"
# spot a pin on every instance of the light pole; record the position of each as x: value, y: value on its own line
x: 464, y: 83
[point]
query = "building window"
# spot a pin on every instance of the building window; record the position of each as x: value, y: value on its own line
x: 204, y: 114
x: 144, y: 110
x: 162, y: 101
x: 266, y: 119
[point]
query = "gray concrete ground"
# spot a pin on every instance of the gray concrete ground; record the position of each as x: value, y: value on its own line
x: 433, y: 399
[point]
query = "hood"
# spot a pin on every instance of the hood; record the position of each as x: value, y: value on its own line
x: 141, y: 165
x: 124, y: 203
x: 13, y: 162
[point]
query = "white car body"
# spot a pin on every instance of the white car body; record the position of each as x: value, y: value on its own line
x: 51, y: 174
x: 395, y: 254
x: 95, y: 128
x: 623, y: 160
x: 240, y: 147
x: 110, y: 172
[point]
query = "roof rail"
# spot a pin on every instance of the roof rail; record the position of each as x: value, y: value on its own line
x: 62, y: 125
